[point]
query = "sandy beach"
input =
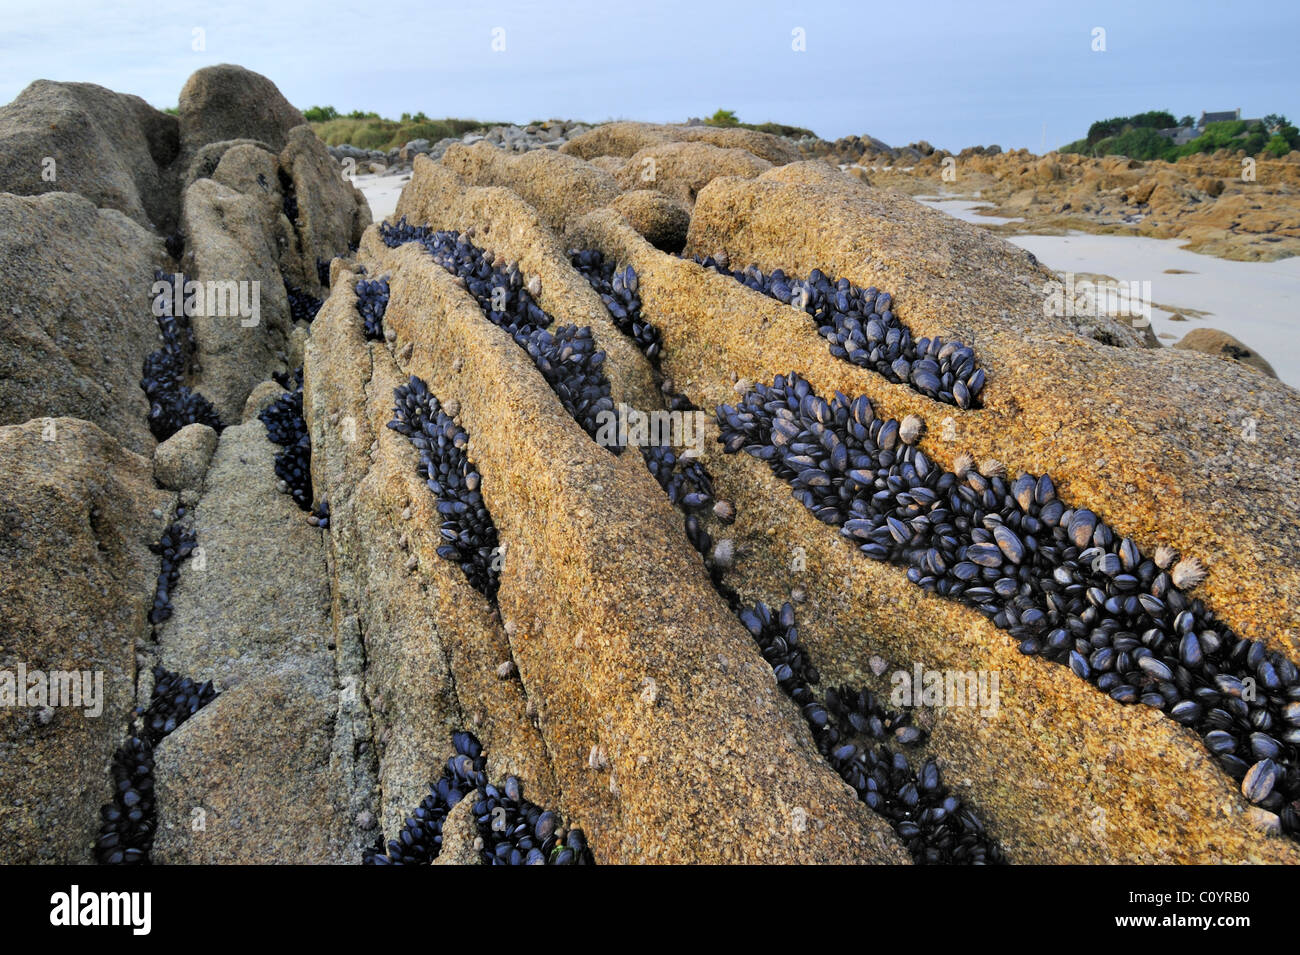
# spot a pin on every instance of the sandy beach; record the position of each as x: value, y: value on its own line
x: 1256, y: 302
x: 382, y: 191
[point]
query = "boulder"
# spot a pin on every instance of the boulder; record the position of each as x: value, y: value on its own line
x: 232, y: 237
x: 662, y: 220
x: 76, y: 583
x: 251, y: 779
x: 229, y: 102
x: 682, y: 169
x: 252, y: 170
x: 1211, y: 341
x: 264, y: 559
x: 181, y: 461
x: 204, y: 163
x: 75, y: 291
x: 625, y: 139
x: 558, y: 186
x: 112, y: 148
x: 332, y: 213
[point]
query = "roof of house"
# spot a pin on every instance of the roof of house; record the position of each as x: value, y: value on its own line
x: 1224, y: 117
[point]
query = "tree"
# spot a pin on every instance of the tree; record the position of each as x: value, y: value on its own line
x: 320, y: 114
x: 1187, y: 121
x: 723, y: 117
x: 1274, y: 121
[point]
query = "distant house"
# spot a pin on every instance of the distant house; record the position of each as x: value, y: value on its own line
x: 1226, y: 117
x: 1179, y: 134
x: 1185, y: 134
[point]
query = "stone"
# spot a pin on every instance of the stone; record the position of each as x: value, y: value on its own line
x: 112, y: 148
x: 232, y: 237
x: 332, y: 213
x: 458, y: 834
x: 204, y: 162
x: 682, y: 169
x: 249, y: 779
x: 265, y: 561
x: 229, y: 102
x: 662, y: 220
x: 77, y: 513
x: 1212, y: 341
x: 558, y: 186
x: 75, y: 284
x: 624, y: 139
x: 182, y: 460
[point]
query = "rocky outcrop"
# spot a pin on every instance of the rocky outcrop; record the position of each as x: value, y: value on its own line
x: 559, y: 187
x: 236, y: 239
x: 83, y: 513
x: 625, y: 139
x: 112, y: 148
x: 78, y: 512
x: 1217, y: 204
x: 586, y: 673
x: 77, y: 324
x: 681, y: 170
x: 583, y: 616
x: 332, y: 213
x: 229, y: 102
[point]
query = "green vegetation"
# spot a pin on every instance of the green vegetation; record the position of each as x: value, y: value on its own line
x: 367, y: 130
x: 1138, y: 138
x: 1109, y: 128
x: 725, y: 117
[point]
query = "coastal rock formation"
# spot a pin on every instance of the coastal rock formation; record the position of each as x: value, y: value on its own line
x: 681, y: 170
x: 418, y: 577
x: 625, y: 139
x: 229, y: 233
x: 78, y: 513
x: 1217, y: 204
x: 112, y: 148
x: 75, y: 283
x: 229, y: 102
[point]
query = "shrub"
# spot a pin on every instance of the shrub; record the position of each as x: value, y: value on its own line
x: 1140, y: 143
x: 320, y: 114
x: 1106, y: 128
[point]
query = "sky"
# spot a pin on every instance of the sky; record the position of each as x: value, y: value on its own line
x: 1019, y: 74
